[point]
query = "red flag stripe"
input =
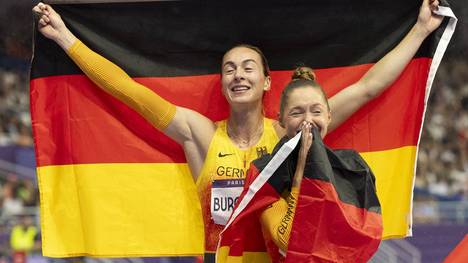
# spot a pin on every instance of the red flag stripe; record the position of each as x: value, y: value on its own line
x: 252, y: 238
x: 110, y: 132
x: 251, y: 231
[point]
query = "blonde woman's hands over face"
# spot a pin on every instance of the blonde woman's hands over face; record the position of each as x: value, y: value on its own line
x: 50, y: 24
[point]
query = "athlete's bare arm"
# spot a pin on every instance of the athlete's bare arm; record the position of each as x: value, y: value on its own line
x: 384, y: 72
x: 189, y: 128
x: 387, y: 69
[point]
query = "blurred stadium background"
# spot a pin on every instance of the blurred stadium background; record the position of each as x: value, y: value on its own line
x: 441, y: 188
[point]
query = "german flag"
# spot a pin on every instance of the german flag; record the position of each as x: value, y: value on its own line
x: 111, y: 185
x: 337, y: 216
x: 459, y: 253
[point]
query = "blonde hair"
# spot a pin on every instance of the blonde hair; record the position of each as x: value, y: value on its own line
x: 303, y: 72
x: 302, y: 76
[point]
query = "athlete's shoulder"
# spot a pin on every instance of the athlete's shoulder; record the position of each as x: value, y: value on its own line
x: 220, y: 123
x: 275, y: 127
x: 270, y: 122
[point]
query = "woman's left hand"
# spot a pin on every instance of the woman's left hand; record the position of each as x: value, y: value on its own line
x: 427, y: 20
x: 306, y: 141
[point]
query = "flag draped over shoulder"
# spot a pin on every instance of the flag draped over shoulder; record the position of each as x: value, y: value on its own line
x: 112, y: 185
x: 337, y: 216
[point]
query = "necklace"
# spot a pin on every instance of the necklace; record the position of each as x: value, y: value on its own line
x: 246, y: 142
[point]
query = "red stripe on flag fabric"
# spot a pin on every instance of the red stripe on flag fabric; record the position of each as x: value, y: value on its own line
x: 319, y: 233
x: 244, y: 234
x: 390, y: 121
x: 460, y: 253
x: 75, y: 122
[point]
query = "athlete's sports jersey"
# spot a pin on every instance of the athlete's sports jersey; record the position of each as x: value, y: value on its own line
x: 222, y: 177
x: 225, y: 164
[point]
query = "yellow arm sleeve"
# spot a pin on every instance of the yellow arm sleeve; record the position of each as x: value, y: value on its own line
x: 278, y: 218
x: 111, y: 78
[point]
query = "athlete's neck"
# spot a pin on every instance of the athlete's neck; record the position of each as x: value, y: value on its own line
x: 245, y: 127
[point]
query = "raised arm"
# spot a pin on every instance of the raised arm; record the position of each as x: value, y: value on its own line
x: 189, y: 128
x: 387, y: 69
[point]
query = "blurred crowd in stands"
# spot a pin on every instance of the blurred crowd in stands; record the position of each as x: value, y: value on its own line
x: 19, y: 200
x: 443, y: 153
x: 15, y: 120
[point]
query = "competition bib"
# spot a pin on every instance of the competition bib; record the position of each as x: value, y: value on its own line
x: 224, y: 195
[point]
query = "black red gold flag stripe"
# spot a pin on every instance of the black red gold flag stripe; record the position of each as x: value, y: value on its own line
x: 108, y: 179
x: 337, y: 216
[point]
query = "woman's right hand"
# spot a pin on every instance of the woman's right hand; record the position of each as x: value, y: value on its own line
x: 51, y: 25
x: 306, y: 141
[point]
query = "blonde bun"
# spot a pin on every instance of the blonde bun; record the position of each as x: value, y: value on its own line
x: 303, y: 73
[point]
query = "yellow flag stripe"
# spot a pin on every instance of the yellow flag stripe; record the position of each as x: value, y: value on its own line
x: 394, y: 170
x: 222, y: 256
x: 106, y: 209
x: 120, y: 209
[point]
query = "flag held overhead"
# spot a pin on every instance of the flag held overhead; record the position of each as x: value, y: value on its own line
x: 337, y: 217
x: 112, y: 185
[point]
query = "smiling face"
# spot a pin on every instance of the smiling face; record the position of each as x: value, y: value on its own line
x: 243, y: 78
x: 305, y: 104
